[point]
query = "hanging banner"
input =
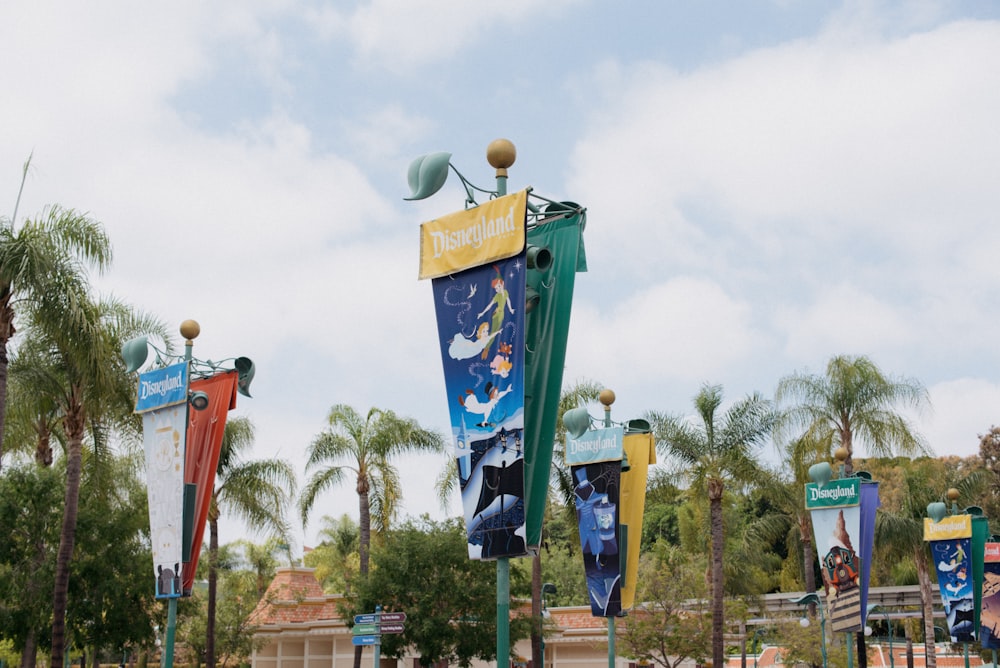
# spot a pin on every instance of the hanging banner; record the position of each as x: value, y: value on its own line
x: 836, y: 517
x: 640, y: 450
x: 162, y: 387
x: 950, y: 542
x: 989, y: 621
x: 163, y: 442
x: 869, y: 504
x: 204, y: 443
x: 595, y: 460
x: 546, y: 340
x: 480, y: 316
x: 491, y: 231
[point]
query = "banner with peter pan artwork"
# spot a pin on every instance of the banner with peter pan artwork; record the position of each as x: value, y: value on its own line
x: 480, y: 316
x: 595, y: 461
x: 950, y: 541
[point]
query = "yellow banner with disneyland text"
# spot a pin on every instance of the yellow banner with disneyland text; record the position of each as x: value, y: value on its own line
x: 953, y: 526
x: 492, y: 231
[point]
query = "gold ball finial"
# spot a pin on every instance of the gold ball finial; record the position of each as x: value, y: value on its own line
x: 606, y: 397
x: 953, y: 494
x: 840, y: 454
x: 190, y: 329
x: 501, y: 154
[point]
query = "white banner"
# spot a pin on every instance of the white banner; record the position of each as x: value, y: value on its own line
x: 163, y: 439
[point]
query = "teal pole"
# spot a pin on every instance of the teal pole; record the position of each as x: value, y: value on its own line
x: 168, y: 646
x: 850, y: 650
x: 503, y: 563
x: 611, y: 620
x: 503, y: 612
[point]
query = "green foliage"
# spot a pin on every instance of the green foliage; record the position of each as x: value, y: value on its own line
x: 336, y: 558
x: 423, y: 569
x: 30, y: 518
x: 665, y: 630
x: 564, y: 568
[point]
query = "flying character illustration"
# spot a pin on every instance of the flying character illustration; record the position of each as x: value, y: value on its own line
x: 500, y: 301
x: 473, y: 405
x: 501, y: 365
x: 462, y: 348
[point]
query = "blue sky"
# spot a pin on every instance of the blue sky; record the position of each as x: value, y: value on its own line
x: 768, y: 184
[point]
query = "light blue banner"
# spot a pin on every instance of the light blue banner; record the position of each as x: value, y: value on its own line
x: 162, y: 387
x: 596, y: 445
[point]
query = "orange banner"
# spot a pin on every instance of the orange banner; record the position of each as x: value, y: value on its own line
x: 204, y: 443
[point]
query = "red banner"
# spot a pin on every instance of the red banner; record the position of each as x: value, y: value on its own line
x: 204, y: 443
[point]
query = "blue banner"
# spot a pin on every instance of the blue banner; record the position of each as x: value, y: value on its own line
x: 954, y: 571
x: 480, y: 316
x: 162, y: 387
x: 597, y: 490
x: 595, y: 445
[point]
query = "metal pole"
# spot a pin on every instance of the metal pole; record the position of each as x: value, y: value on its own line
x: 503, y: 612
x: 822, y: 634
x: 611, y: 642
x: 378, y: 636
x: 892, y: 662
x: 168, y: 645
x: 850, y: 650
x: 503, y: 563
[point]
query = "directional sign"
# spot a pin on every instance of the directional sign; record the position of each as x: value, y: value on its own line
x: 370, y: 618
x: 364, y: 629
x: 391, y: 628
x: 364, y: 640
x: 391, y: 617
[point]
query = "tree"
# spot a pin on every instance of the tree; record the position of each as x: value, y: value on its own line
x: 44, y: 255
x: 853, y: 401
x: 29, y: 522
x: 364, y: 446
x: 717, y: 450
x: 663, y: 630
x: 899, y: 525
x: 85, y: 376
x: 336, y: 557
x: 257, y: 491
x: 412, y: 570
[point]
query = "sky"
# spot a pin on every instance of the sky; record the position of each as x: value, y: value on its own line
x: 768, y: 184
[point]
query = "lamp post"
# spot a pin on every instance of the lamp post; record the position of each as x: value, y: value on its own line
x: 541, y: 363
x: 175, y: 446
x: 547, y: 588
x: 875, y: 607
x: 813, y: 598
x: 756, y: 636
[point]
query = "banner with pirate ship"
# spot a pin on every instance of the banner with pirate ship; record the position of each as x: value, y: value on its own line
x: 480, y: 316
x: 950, y: 540
x: 843, y: 523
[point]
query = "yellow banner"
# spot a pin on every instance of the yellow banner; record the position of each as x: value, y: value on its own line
x: 641, y: 452
x: 492, y: 231
x: 953, y: 526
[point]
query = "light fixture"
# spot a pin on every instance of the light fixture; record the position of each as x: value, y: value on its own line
x: 245, y: 371
x: 198, y: 400
x: 531, y: 299
x: 539, y: 257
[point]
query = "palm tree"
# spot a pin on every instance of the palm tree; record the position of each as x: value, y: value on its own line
x: 42, y: 255
x: 256, y: 491
x: 853, y: 401
x: 716, y: 451
x: 86, y: 379
x: 365, y: 447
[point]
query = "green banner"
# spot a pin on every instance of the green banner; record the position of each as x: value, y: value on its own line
x: 834, y: 494
x: 547, y: 329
